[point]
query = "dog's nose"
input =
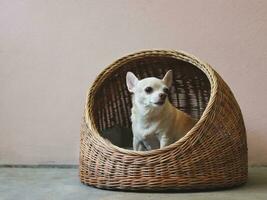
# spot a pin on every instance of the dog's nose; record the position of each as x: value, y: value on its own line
x: 162, y: 96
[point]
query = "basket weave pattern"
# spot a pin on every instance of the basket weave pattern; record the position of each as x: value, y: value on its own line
x: 212, y: 155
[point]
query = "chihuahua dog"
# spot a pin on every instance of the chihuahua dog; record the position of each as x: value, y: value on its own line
x: 156, y: 123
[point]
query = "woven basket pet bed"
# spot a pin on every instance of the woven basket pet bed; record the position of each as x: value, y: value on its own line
x: 212, y: 155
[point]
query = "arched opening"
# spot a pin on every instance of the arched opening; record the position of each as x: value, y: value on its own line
x: 190, y: 93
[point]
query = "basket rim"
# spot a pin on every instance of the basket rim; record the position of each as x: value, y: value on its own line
x: 177, y: 54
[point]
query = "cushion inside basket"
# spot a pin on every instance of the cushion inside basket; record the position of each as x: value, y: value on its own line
x: 190, y: 93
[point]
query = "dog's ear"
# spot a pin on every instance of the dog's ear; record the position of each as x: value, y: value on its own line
x: 167, y: 79
x: 131, y: 81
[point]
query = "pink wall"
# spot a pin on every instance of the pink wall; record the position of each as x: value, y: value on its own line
x: 50, y: 52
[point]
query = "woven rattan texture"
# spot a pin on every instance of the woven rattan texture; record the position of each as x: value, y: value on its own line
x: 212, y: 155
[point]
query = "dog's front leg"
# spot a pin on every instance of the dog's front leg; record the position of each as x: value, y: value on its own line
x: 138, y: 144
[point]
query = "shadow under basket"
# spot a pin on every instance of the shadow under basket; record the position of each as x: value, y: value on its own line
x: 212, y: 155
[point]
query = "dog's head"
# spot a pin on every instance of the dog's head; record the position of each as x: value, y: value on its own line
x: 149, y: 92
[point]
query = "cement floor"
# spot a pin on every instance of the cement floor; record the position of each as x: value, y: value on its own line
x: 58, y: 183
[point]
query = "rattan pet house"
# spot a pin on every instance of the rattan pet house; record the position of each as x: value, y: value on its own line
x: 212, y: 155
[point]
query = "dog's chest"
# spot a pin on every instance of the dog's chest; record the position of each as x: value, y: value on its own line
x: 145, y: 127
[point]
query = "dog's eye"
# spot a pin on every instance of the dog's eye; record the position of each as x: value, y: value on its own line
x: 166, y: 90
x: 149, y: 90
